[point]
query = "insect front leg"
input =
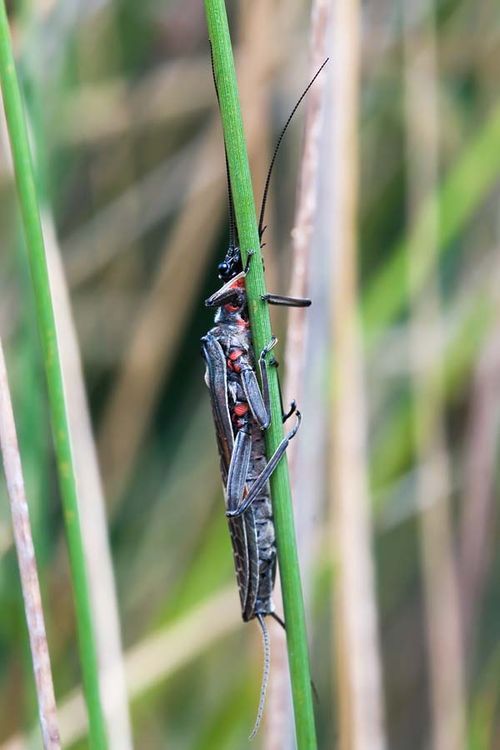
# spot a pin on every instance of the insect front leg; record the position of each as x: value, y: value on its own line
x: 250, y: 255
x: 284, y: 301
x: 263, y: 365
x: 263, y: 371
x: 259, y: 401
x: 263, y: 477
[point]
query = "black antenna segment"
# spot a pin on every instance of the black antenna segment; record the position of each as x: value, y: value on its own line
x: 232, y: 217
x: 278, y: 144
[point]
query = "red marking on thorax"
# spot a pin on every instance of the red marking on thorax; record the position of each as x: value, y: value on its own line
x: 238, y: 284
x: 240, y: 409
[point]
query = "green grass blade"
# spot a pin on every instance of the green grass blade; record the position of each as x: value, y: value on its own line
x: 261, y: 332
x: 25, y: 181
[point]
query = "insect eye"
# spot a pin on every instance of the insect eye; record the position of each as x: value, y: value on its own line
x: 223, y: 269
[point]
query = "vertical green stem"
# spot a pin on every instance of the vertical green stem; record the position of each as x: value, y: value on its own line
x: 261, y: 332
x: 27, y: 192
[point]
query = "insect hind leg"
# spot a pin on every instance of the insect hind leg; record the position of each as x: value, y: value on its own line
x: 278, y: 620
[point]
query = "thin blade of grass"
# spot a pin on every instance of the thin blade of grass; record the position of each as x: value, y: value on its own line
x: 261, y: 334
x: 28, y: 200
x: 90, y: 494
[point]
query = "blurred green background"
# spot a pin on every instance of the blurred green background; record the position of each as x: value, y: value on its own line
x: 131, y: 174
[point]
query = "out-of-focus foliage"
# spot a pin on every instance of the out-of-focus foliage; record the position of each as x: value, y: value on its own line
x: 122, y: 110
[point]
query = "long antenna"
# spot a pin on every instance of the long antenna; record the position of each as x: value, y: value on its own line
x: 232, y: 217
x: 265, y: 675
x: 278, y: 144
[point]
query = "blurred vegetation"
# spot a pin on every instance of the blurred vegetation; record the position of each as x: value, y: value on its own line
x: 122, y: 114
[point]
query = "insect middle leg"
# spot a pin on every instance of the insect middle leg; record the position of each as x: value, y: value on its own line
x: 259, y: 401
x: 237, y: 504
x: 278, y: 299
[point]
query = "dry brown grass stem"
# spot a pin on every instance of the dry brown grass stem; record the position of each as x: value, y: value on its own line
x: 27, y: 566
x: 305, y: 212
x: 443, y: 616
x: 360, y: 711
x: 477, y: 524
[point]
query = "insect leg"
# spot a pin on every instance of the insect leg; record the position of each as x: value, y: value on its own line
x: 263, y: 372
x: 279, y: 299
x: 256, y: 400
x: 250, y: 255
x: 238, y: 469
x: 263, y: 477
x: 292, y: 409
x: 263, y: 365
x: 278, y: 620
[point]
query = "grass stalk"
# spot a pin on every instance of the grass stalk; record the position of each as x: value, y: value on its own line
x: 27, y: 566
x: 479, y: 514
x: 357, y: 660
x: 27, y: 191
x: 261, y: 332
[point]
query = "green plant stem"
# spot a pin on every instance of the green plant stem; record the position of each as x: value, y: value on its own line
x: 261, y: 333
x: 25, y: 181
